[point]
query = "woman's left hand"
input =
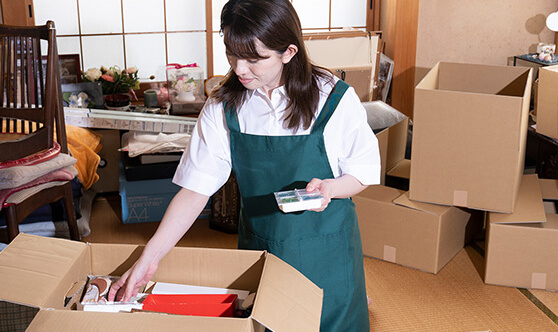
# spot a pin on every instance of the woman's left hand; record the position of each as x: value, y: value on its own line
x: 342, y: 187
x: 325, y: 188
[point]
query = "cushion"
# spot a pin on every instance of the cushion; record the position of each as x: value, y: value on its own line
x: 18, y: 175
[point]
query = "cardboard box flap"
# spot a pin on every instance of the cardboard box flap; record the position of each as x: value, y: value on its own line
x: 401, y: 170
x: 31, y: 268
x: 551, y: 224
x: 71, y: 321
x: 430, y: 80
x: 286, y: 300
x: 529, y: 205
x: 549, y: 189
x: 381, y: 193
x: 404, y: 200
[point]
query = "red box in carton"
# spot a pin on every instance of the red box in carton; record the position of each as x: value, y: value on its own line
x: 209, y: 305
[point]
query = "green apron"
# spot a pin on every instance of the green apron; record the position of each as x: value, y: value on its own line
x: 324, y: 246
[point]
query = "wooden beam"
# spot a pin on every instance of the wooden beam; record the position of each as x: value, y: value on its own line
x: 373, y: 15
x: 403, y: 48
x: 209, y: 36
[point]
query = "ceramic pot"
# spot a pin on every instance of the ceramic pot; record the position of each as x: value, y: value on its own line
x: 117, y: 101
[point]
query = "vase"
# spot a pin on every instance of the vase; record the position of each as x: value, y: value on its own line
x: 186, y: 96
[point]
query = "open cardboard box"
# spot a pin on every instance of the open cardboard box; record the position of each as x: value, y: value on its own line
x: 47, y: 275
x: 392, y: 142
x: 547, y: 102
x: 522, y: 247
x: 469, y: 135
x: 418, y: 235
x: 391, y: 128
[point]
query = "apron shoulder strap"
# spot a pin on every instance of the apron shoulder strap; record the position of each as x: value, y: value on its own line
x: 232, y: 118
x: 329, y: 107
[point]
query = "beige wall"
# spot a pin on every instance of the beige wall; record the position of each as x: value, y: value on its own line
x: 479, y: 31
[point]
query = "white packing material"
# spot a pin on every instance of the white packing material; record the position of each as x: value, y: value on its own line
x: 381, y: 115
x: 137, y: 142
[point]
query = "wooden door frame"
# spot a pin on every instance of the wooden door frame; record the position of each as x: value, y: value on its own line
x: 400, y: 26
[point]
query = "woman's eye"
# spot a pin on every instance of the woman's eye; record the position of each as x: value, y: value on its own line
x: 252, y: 61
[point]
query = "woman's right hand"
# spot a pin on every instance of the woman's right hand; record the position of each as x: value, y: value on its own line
x: 129, y: 284
x: 181, y: 213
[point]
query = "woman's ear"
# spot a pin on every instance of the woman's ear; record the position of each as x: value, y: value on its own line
x: 289, y: 53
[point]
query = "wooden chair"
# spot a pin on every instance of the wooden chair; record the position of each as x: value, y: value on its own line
x: 31, y: 113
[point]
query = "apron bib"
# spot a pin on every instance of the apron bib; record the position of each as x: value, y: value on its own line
x: 324, y: 246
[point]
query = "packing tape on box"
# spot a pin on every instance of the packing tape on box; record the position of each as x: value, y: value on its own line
x: 459, y: 198
x: 389, y: 253
x: 538, y: 280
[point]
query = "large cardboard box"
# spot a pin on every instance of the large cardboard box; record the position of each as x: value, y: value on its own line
x: 522, y: 247
x: 469, y: 135
x: 418, y: 235
x: 38, y: 273
x: 547, y: 101
x: 523, y: 255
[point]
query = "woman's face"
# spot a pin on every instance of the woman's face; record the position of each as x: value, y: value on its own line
x: 262, y: 73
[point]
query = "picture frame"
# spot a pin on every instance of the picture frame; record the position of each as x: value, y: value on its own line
x: 70, y: 68
x: 385, y: 75
x: 93, y: 91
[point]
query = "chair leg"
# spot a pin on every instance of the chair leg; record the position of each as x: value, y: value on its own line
x: 70, y: 212
x: 12, y: 223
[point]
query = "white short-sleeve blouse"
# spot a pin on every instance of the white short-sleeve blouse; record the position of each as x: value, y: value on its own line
x: 351, y: 146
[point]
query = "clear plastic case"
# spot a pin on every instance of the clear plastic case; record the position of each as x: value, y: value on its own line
x: 298, y: 200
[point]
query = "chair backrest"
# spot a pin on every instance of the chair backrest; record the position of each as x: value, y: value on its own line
x: 31, y: 111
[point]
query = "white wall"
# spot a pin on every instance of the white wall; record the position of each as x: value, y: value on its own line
x: 480, y: 31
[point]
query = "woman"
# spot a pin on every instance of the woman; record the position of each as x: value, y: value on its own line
x: 280, y: 123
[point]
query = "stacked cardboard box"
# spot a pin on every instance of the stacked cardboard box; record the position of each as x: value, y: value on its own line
x: 42, y: 279
x: 418, y: 235
x: 521, y: 253
x: 468, y: 149
x: 469, y: 135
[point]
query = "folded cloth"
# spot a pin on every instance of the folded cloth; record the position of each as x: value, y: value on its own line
x: 137, y: 143
x: 63, y: 174
x: 18, y: 175
x: 35, y: 158
x: 84, y: 144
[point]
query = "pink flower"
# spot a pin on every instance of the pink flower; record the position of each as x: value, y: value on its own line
x: 107, y: 77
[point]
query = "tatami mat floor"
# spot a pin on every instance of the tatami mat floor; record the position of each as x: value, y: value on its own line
x: 403, y: 299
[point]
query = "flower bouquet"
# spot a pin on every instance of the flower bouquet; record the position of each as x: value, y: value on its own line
x: 114, y: 80
x: 118, y: 85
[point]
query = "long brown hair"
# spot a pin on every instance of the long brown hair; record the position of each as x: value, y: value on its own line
x: 276, y: 24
